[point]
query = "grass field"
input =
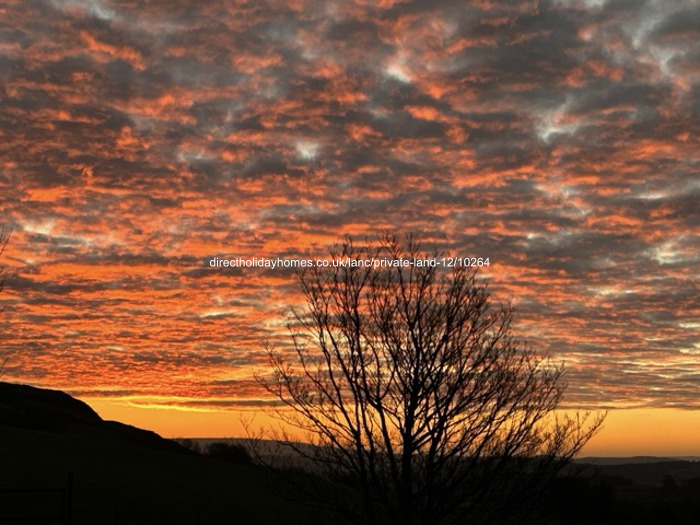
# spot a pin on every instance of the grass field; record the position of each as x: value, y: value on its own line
x: 116, y: 483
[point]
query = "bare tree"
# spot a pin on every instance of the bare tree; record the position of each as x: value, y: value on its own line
x: 420, y: 405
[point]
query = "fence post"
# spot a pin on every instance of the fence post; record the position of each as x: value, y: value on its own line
x: 68, y: 495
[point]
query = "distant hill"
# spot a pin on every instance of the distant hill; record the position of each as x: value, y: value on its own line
x: 636, y: 460
x: 41, y: 409
x: 646, y: 470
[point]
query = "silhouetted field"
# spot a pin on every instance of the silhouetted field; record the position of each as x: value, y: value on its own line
x: 134, y: 485
x: 124, y: 475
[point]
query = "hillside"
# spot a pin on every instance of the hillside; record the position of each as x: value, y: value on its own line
x: 121, y: 474
x: 39, y: 409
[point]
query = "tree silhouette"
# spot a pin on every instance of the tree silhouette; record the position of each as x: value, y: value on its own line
x: 420, y: 405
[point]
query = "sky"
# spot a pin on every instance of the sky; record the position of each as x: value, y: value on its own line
x: 139, y: 140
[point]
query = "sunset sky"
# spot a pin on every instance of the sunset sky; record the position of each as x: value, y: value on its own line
x: 138, y: 140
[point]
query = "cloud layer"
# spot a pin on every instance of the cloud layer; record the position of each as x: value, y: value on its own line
x: 557, y: 138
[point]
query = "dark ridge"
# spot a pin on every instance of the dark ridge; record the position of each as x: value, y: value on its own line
x: 42, y: 409
x: 45, y: 410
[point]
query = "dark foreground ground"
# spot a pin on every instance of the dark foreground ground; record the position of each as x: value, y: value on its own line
x: 124, y: 475
x: 132, y: 485
x: 121, y: 474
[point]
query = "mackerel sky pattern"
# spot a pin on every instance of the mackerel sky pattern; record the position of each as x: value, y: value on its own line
x: 138, y: 140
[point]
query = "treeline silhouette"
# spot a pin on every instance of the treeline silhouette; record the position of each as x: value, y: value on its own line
x: 603, y: 499
x: 219, y: 450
